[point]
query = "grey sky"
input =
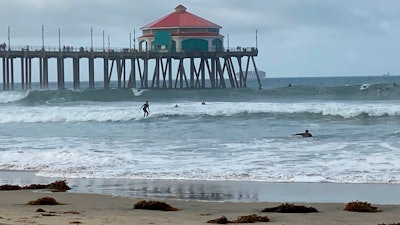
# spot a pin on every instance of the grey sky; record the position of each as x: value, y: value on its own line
x: 295, y: 37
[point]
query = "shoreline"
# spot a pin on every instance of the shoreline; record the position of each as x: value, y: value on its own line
x: 104, y: 209
x: 218, y: 191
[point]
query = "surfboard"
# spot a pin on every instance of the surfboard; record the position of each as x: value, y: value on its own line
x: 364, y: 86
x: 137, y: 92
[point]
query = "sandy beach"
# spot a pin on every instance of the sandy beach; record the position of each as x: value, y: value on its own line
x: 99, y: 201
x: 104, y: 209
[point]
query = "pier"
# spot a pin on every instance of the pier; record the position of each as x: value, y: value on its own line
x: 132, y: 68
x: 177, y: 51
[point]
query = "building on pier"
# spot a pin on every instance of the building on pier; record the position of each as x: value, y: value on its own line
x: 181, y: 31
x: 178, y: 51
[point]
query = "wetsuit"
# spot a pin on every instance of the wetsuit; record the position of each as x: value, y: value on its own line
x: 305, y: 134
x: 145, y: 106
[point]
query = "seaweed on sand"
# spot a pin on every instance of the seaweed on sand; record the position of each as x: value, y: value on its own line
x: 251, y: 219
x: 241, y: 219
x: 358, y: 206
x: 9, y: 187
x: 44, y: 201
x: 221, y: 220
x: 290, y: 208
x: 58, y: 186
x: 154, y: 205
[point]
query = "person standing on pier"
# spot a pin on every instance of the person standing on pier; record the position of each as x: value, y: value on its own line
x: 146, y: 109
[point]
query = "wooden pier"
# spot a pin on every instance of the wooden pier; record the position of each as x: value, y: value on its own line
x: 131, y: 68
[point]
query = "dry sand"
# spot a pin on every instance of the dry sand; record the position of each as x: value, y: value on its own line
x: 102, y: 209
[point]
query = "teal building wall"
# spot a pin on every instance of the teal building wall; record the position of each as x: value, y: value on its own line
x: 217, y: 44
x: 195, y: 45
x: 163, y: 43
x: 162, y: 38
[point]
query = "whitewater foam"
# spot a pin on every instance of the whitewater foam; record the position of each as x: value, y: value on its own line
x: 298, y: 160
x: 12, y: 96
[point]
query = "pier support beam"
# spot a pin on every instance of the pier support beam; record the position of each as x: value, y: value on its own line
x: 91, y: 72
x: 11, y: 81
x: 220, y: 75
x: 255, y: 69
x: 120, y: 67
x: 4, y: 74
x: 156, y: 74
x: 41, y: 80
x: 145, y: 81
x: 132, y: 74
x: 23, y: 73
x: 242, y: 79
x: 105, y: 77
x: 169, y: 62
x: 45, y: 72
x: 60, y: 73
x: 211, y: 71
x: 28, y: 73
x: 75, y: 72
x: 8, y: 74
x: 192, y: 72
x: 167, y: 73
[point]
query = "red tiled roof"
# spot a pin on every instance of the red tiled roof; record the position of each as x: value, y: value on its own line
x: 181, y: 18
x: 188, y: 35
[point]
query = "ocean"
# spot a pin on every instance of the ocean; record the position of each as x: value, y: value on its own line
x: 239, y: 135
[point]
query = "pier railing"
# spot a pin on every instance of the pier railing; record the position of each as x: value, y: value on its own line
x: 18, y: 48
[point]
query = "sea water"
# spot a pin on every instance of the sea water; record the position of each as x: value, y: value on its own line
x: 240, y: 134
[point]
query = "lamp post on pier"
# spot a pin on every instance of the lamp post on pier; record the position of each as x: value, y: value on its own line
x: 59, y: 39
x: 91, y: 39
x: 103, y: 42
x: 108, y: 42
x: 228, y: 40
x: 256, y: 39
x: 9, y: 34
x: 42, y: 37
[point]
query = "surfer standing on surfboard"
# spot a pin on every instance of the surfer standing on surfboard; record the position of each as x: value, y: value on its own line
x: 146, y: 109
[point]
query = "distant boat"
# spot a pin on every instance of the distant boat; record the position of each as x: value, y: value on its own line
x: 386, y: 74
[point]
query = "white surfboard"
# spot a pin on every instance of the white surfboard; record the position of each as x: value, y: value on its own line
x: 137, y: 92
x: 364, y: 86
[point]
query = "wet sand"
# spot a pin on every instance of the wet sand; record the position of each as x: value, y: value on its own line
x: 233, y: 191
x: 110, y: 201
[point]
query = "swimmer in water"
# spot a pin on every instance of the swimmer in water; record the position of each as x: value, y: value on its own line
x: 305, y: 134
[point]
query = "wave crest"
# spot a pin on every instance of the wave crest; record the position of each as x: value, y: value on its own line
x: 130, y: 111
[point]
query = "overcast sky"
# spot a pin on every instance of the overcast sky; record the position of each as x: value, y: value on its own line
x: 295, y: 37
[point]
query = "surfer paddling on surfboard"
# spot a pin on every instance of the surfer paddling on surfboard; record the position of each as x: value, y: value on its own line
x: 146, y: 109
x: 305, y: 134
